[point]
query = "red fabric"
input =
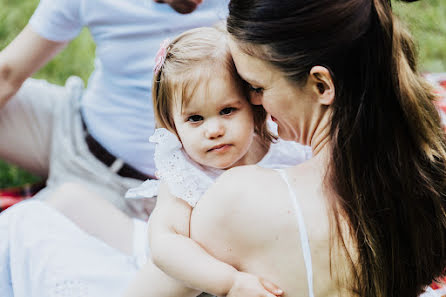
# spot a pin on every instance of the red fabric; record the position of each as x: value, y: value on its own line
x: 438, y: 80
x: 440, y: 287
x: 11, y: 196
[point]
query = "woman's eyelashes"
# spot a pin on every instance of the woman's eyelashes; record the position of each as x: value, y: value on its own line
x: 254, y: 93
x: 252, y: 89
x: 255, y: 90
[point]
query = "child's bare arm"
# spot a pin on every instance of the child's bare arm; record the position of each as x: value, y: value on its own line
x: 151, y: 281
x: 183, y: 259
x: 177, y: 255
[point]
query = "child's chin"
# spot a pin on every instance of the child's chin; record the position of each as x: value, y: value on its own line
x: 224, y: 165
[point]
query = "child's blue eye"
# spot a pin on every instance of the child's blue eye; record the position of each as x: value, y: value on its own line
x: 195, y: 118
x: 227, y: 110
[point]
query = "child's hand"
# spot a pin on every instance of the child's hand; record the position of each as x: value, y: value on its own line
x: 248, y: 285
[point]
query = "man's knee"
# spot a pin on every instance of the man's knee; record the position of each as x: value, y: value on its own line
x: 69, y: 197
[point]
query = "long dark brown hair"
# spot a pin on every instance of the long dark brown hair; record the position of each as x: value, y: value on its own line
x: 388, y: 156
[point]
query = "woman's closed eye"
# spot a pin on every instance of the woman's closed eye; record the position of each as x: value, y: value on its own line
x: 228, y: 110
x: 195, y: 118
x: 255, y: 95
x: 255, y: 90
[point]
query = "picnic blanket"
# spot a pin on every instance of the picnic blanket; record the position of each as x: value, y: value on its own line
x: 13, y: 195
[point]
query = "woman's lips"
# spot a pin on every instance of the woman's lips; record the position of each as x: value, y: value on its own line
x: 274, y: 119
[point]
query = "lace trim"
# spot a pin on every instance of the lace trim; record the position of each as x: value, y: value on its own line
x: 185, y: 178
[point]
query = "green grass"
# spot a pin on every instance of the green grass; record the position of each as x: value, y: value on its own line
x: 426, y: 19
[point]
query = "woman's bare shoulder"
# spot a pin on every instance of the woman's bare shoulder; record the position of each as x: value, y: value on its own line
x: 250, y: 182
x: 246, y: 205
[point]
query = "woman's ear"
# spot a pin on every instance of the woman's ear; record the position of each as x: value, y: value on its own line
x: 323, y: 84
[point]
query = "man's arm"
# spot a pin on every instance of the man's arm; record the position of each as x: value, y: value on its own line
x: 26, y: 54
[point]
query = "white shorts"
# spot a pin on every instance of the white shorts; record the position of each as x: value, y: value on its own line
x: 41, y: 131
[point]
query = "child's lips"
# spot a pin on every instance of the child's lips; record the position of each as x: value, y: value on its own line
x: 220, y: 148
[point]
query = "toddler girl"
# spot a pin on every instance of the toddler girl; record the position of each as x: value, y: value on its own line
x: 206, y: 125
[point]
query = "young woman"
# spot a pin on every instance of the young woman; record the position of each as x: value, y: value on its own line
x: 366, y: 215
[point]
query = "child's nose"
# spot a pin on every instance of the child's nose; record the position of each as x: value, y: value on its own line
x: 214, y: 129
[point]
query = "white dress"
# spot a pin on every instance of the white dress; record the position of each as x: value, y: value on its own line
x: 189, y: 180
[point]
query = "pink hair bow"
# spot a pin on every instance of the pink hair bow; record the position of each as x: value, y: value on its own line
x: 161, y: 55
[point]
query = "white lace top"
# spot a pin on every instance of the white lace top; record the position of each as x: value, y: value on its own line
x: 189, y: 180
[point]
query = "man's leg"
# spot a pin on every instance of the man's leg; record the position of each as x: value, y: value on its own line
x: 151, y: 281
x: 94, y: 215
x: 72, y: 162
x: 26, y: 125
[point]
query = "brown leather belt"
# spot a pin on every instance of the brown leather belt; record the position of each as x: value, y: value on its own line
x: 101, y: 153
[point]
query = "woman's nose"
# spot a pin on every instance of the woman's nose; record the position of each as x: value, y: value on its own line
x: 255, y: 100
x: 214, y: 129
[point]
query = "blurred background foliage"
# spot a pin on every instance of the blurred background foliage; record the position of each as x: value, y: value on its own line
x: 426, y: 19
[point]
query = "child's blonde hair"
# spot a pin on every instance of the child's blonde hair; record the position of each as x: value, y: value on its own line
x: 191, y: 56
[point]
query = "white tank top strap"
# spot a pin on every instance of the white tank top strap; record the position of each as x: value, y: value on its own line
x: 303, y: 233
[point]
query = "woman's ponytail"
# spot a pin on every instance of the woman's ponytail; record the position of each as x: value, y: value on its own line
x: 390, y: 166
